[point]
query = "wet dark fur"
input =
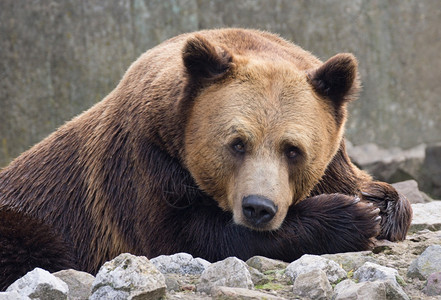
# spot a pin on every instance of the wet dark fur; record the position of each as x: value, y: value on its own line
x: 112, y: 181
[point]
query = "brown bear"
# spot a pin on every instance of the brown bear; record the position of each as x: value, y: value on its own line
x: 217, y: 143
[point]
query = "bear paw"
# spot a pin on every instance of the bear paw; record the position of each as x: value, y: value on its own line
x: 395, y: 210
x: 332, y: 223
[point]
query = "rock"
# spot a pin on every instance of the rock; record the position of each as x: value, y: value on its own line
x: 230, y: 293
x: 426, y: 197
x: 180, y: 263
x: 349, y: 290
x: 12, y: 296
x: 257, y: 277
x: 395, y: 291
x: 130, y: 277
x: 426, y: 216
x: 373, y: 272
x: 382, y: 246
x: 79, y: 283
x: 189, y: 287
x: 366, y: 154
x: 409, y: 189
x: 427, y: 263
x: 39, y: 283
x: 230, y: 272
x: 263, y: 264
x: 313, y: 285
x: 432, y: 170
x: 172, y: 282
x: 107, y: 292
x: 390, y: 165
x: 433, y: 286
x: 308, y: 263
x: 351, y: 261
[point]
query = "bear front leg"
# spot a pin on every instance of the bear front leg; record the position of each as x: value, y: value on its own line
x: 323, y: 224
x: 395, y: 209
x: 332, y: 223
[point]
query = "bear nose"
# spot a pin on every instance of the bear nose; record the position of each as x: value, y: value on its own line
x: 258, y: 210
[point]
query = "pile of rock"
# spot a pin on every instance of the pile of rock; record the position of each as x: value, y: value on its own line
x: 358, y: 275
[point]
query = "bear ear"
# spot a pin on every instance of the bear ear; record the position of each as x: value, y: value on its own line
x: 337, y: 79
x: 204, y: 61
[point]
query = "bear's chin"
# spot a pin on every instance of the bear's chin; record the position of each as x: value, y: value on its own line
x: 266, y: 227
x: 270, y: 226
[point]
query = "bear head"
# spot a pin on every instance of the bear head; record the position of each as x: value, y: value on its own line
x: 261, y: 130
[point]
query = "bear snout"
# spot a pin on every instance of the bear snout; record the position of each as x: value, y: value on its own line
x: 258, y: 210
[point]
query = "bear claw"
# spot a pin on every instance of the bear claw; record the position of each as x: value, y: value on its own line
x: 394, y: 209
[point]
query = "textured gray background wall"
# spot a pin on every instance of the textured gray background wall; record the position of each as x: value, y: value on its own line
x: 57, y: 58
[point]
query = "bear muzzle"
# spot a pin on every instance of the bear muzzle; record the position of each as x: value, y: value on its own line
x: 258, y: 211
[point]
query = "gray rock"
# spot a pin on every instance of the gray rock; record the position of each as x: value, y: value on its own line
x: 433, y: 286
x: 373, y: 272
x: 107, y: 292
x: 129, y: 276
x: 382, y: 246
x: 349, y: 290
x: 180, y: 263
x: 426, y: 197
x: 351, y: 261
x: 308, y: 263
x: 264, y: 264
x: 313, y: 285
x: 230, y: 272
x: 366, y: 154
x: 230, y: 293
x: 39, y: 283
x: 410, y: 190
x: 172, y: 282
x: 395, y: 291
x: 79, y: 283
x: 12, y: 296
x: 257, y: 277
x: 426, y: 216
x: 427, y: 263
x: 390, y: 165
x: 432, y: 171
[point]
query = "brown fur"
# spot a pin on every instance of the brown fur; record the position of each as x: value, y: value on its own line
x: 26, y: 243
x: 150, y: 169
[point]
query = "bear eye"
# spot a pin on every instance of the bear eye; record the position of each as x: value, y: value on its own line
x: 238, y: 146
x: 292, y: 152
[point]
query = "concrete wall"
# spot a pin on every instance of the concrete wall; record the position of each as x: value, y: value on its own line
x: 57, y: 58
